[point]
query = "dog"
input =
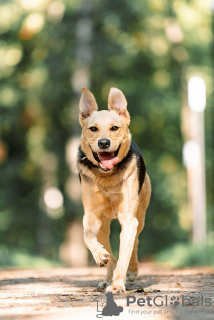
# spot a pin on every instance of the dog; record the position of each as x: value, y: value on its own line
x: 115, y: 185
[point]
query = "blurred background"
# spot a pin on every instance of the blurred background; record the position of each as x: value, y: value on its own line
x: 149, y: 49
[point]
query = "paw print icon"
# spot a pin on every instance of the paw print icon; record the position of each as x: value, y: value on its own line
x: 175, y: 301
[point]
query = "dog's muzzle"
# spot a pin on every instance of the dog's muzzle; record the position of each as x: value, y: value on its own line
x: 106, y: 160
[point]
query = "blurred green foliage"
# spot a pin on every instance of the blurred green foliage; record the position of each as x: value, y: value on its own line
x: 22, y: 258
x: 181, y: 255
x: 147, y: 49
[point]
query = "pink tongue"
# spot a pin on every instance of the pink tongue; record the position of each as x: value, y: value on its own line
x: 108, y: 164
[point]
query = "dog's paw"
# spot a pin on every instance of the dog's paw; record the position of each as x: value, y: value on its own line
x: 102, y: 257
x: 116, y: 287
x: 102, y: 285
x: 131, y: 275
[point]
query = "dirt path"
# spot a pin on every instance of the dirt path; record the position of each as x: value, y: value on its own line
x: 69, y: 294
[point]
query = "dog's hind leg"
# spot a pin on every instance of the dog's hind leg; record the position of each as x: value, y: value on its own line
x: 141, y: 212
x: 103, y: 238
x: 133, y: 264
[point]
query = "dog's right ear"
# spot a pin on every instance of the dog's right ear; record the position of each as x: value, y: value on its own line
x: 87, y: 105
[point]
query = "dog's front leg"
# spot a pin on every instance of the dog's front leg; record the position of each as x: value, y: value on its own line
x: 127, y: 238
x: 92, y: 224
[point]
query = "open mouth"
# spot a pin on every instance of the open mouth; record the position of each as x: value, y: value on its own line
x: 106, y: 160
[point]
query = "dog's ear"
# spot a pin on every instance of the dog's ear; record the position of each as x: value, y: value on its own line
x: 118, y: 103
x: 87, y: 105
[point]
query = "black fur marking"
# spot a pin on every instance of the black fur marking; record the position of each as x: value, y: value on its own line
x: 81, y: 158
x: 141, y: 167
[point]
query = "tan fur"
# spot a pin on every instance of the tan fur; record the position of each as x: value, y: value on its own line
x: 111, y: 195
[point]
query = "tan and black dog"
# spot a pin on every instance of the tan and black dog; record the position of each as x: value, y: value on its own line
x: 115, y: 185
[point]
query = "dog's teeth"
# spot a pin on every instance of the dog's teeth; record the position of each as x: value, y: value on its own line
x: 102, y: 166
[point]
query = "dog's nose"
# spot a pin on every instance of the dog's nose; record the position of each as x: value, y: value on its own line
x: 104, y: 143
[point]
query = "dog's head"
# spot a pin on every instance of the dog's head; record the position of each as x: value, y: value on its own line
x: 105, y: 134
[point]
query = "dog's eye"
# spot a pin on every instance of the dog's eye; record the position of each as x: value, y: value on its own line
x: 94, y: 129
x: 114, y: 128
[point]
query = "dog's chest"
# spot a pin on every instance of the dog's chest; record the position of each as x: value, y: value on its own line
x: 114, y: 200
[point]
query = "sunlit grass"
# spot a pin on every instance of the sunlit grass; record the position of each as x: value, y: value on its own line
x: 21, y: 259
x: 182, y: 255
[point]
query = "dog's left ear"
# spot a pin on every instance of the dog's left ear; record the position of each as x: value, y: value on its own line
x: 118, y: 103
x: 87, y: 105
